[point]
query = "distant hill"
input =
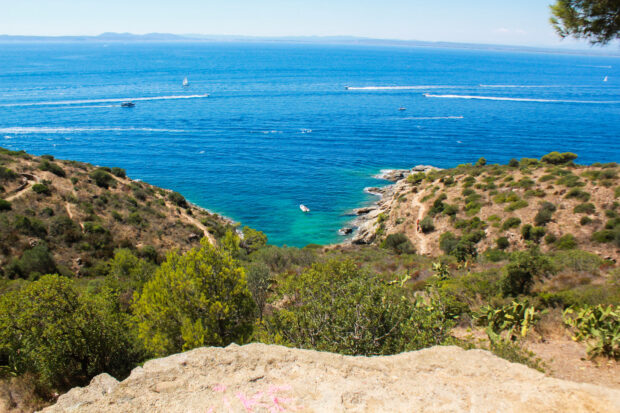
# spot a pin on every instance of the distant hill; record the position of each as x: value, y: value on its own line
x: 325, y: 40
x: 67, y: 216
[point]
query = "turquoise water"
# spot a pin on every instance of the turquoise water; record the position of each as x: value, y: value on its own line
x: 279, y: 128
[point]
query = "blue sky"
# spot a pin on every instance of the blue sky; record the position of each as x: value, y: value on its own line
x: 520, y: 22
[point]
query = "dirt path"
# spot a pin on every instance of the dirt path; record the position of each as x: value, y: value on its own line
x: 68, y: 209
x: 30, y: 180
x: 422, y: 241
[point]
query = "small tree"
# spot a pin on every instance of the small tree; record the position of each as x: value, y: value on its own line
x: 195, y: 299
x: 427, y: 225
x: 399, y: 243
x: 595, y: 20
x: 522, y: 271
x: 253, y: 240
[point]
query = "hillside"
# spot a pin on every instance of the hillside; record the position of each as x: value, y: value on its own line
x: 66, y: 217
x: 552, y: 203
x: 257, y: 378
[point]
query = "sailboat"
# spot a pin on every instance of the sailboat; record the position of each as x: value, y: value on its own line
x: 605, y: 80
x: 185, y: 82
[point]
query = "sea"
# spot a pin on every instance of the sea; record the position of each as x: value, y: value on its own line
x: 263, y: 128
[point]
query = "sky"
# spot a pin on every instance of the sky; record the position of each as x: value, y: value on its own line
x: 510, y: 22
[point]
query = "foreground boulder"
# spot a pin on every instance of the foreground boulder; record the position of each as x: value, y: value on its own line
x: 263, y: 378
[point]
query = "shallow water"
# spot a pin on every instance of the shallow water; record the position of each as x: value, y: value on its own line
x: 279, y: 128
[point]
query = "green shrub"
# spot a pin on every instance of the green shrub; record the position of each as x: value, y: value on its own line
x: 47, y: 157
x: 599, y: 326
x: 46, y: 165
x: 550, y: 238
x: 41, y: 189
x: 195, y: 299
x: 177, y: 199
x: 337, y: 307
x: 566, y: 242
x: 438, y: 205
x: 556, y: 158
x: 585, y: 208
x: 399, y: 243
x: 481, y: 162
x: 450, y: 210
x: 585, y: 220
x: 513, y: 206
x: 416, y: 179
x: 578, y: 194
x: 102, y: 178
x: 47, y: 328
x: 33, y: 263
x: 511, y: 222
x: 427, y: 225
x: 29, y: 226
x: 447, y: 242
x: 118, y: 172
x: 5, y: 205
x: 513, y: 163
x: 604, y: 236
x: 7, y: 174
x: 502, y: 243
x: 570, y: 181
x: 531, y: 233
x: 253, y: 240
x: 66, y: 229
x: 524, y: 268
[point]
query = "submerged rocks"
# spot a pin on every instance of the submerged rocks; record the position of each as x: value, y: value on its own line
x: 345, y: 231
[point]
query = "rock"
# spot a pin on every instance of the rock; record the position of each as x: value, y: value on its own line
x: 424, y: 168
x: 365, y: 210
x: 259, y: 377
x: 373, y: 190
x: 345, y: 231
x: 392, y: 175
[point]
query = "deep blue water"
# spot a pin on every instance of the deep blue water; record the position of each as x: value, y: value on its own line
x: 279, y: 129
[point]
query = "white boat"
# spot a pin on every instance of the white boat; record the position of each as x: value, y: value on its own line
x: 185, y: 82
x: 402, y: 108
x: 605, y: 80
x: 304, y: 208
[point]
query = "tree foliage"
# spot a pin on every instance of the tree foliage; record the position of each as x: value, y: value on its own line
x: 48, y: 329
x: 195, y: 299
x: 337, y: 307
x: 595, y: 20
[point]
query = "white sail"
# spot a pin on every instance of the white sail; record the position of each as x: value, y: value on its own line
x: 185, y: 82
x: 605, y: 80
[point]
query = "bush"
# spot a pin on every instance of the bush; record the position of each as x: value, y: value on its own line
x: 102, y: 178
x: 46, y: 165
x: 513, y: 206
x: 502, y: 243
x: 48, y: 329
x: 585, y: 221
x: 66, y: 229
x: 599, y: 327
x: 253, y: 240
x: 524, y: 268
x: 578, y: 194
x: 513, y: 163
x: 399, y: 243
x: 5, y: 205
x: 33, y: 263
x: 41, y: 189
x: 7, y: 174
x: 481, y: 162
x: 450, y: 210
x: 177, y: 199
x: 196, y: 299
x: 511, y: 222
x: 586, y: 208
x: 447, y: 242
x: 531, y: 233
x: 427, y: 225
x: 556, y: 158
x: 119, y: 172
x: 517, y: 318
x: 566, y: 242
x: 336, y: 307
x: 29, y: 226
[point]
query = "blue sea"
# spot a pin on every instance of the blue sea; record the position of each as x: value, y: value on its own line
x: 279, y: 128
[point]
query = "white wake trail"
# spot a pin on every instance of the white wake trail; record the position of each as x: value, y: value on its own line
x: 81, y: 102
x: 499, y: 98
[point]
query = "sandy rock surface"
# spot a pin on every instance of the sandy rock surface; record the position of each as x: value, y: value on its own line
x: 262, y: 378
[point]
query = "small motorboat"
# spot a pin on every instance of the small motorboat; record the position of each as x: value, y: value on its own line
x: 402, y: 108
x: 185, y: 82
x: 127, y: 105
x: 304, y: 208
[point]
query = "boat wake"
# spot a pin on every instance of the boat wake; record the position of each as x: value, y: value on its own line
x: 499, y: 98
x: 403, y: 87
x: 87, y: 101
x: 50, y: 130
x: 433, y: 118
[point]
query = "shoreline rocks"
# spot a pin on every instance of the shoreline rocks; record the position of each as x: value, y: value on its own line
x: 365, y: 223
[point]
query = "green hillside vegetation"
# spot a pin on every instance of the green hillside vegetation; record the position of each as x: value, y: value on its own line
x: 59, y: 328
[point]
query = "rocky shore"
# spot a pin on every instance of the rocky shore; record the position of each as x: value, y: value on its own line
x: 365, y: 225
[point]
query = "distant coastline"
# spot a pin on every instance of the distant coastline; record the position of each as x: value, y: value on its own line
x: 305, y: 40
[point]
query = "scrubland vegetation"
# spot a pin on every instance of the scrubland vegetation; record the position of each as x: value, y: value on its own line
x: 134, y: 302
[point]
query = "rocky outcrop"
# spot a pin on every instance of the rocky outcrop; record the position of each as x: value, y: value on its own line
x: 366, y: 222
x: 262, y: 378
